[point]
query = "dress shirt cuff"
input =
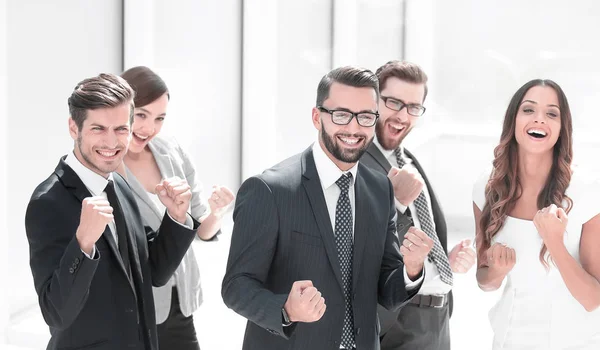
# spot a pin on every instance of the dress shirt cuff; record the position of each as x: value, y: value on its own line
x: 91, y: 257
x: 410, y: 284
x: 400, y: 207
x: 189, y: 223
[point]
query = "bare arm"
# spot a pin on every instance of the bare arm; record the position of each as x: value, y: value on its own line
x: 582, y: 280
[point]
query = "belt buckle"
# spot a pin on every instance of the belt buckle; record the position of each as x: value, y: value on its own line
x: 434, y: 304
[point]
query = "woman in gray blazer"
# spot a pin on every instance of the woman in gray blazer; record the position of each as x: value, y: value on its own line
x: 149, y: 160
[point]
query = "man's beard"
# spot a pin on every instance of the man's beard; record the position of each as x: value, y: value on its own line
x: 389, y: 144
x: 90, y: 163
x: 346, y: 156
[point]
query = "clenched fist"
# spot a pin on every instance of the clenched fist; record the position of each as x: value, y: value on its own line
x: 501, y: 258
x: 96, y: 213
x: 219, y: 200
x: 462, y: 257
x: 304, y: 303
x: 415, y: 248
x: 175, y: 195
x: 407, y: 184
x: 551, y: 223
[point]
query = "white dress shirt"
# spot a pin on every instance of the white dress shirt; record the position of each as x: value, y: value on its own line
x: 96, y: 184
x: 329, y: 173
x: 432, y: 285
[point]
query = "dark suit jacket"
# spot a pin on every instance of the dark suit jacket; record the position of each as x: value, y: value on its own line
x: 93, y: 303
x: 282, y: 233
x: 374, y: 159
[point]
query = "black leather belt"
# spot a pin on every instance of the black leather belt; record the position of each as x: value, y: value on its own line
x: 436, y: 301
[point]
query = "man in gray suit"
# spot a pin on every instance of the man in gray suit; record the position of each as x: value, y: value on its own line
x: 424, y: 322
x: 320, y: 227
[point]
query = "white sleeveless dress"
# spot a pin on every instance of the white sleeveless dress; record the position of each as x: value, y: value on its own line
x: 536, y: 310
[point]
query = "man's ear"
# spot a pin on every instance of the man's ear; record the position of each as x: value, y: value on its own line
x: 316, y: 118
x: 73, y: 129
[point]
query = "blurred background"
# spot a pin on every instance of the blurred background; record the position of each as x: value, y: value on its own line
x: 243, y: 76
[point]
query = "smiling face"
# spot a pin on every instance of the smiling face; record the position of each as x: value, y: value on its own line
x: 538, y: 120
x: 345, y: 144
x: 102, y: 142
x: 393, y: 126
x: 147, y: 123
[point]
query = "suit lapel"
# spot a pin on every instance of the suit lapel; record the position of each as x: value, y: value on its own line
x: 140, y: 191
x: 314, y: 191
x: 361, y: 227
x: 73, y: 183
x: 374, y: 152
x: 129, y: 220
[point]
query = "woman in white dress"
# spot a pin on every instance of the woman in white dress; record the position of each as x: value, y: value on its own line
x: 538, y: 227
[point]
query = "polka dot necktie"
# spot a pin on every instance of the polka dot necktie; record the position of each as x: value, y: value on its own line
x: 344, y: 243
x: 437, y: 254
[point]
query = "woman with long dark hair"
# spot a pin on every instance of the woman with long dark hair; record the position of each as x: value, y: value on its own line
x: 150, y: 159
x: 538, y: 226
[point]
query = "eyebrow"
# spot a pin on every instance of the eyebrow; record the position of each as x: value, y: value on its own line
x: 401, y: 100
x: 147, y: 111
x: 530, y: 101
x: 104, y: 127
x: 348, y: 110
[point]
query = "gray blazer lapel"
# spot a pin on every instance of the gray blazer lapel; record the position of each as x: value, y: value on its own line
x: 314, y: 191
x: 163, y: 160
x: 379, y: 158
x: 361, y: 226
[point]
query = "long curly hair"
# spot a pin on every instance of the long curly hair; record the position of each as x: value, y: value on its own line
x: 504, y: 187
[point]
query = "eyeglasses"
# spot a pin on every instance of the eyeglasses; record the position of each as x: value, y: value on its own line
x: 397, y: 105
x: 344, y: 117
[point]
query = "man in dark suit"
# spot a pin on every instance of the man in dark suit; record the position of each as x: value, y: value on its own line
x: 320, y: 227
x: 92, y: 264
x: 424, y: 322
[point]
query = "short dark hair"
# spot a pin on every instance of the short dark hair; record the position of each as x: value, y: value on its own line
x: 348, y: 75
x: 403, y: 70
x: 148, y: 86
x: 104, y: 91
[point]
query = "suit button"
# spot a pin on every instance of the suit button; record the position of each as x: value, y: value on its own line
x: 357, y: 330
x: 71, y: 270
x: 77, y: 261
x: 129, y: 310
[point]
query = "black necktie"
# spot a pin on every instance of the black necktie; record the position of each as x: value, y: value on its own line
x: 344, y: 243
x: 119, y: 223
x: 437, y: 254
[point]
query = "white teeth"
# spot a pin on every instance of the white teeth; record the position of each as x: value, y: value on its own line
x: 107, y: 154
x: 536, y: 132
x: 139, y: 136
x: 397, y: 127
x: 349, y: 141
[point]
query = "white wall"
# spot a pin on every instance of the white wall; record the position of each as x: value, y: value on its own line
x: 4, y: 249
x: 50, y: 47
x: 195, y: 46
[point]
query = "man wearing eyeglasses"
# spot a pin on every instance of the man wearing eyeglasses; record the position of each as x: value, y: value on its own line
x: 314, y: 245
x: 424, y: 322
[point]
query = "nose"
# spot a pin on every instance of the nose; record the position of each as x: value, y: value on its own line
x: 112, y: 139
x: 403, y: 115
x: 540, y: 117
x: 145, y: 126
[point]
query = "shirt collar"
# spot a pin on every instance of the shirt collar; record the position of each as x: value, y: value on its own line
x: 387, y: 153
x: 95, y: 183
x: 329, y: 173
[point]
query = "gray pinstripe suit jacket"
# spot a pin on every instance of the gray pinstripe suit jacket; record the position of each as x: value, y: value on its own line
x: 282, y: 233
